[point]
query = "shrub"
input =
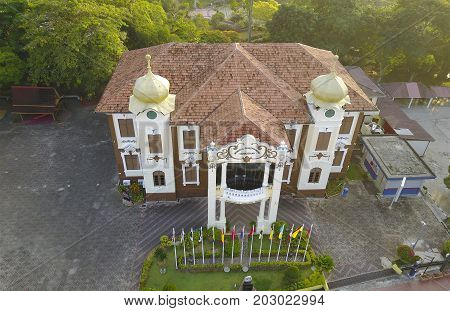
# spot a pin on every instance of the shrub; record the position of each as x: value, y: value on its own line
x: 324, y: 263
x: 446, y: 248
x: 291, y: 275
x: 165, y: 241
x: 146, y: 270
x: 160, y: 254
x: 316, y: 278
x: 406, y: 254
x: 169, y: 287
x: 135, y: 188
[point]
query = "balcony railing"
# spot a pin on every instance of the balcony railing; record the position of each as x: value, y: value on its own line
x: 244, y: 196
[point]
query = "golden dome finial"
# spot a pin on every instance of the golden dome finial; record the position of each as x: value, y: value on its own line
x: 335, y: 63
x: 148, y: 57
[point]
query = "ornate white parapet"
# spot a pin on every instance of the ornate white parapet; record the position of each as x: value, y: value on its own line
x: 244, y: 196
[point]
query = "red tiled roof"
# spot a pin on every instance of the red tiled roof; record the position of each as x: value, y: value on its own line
x: 239, y: 115
x: 203, y: 76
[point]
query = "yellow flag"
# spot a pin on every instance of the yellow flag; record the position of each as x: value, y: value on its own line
x: 271, y: 234
x: 222, y: 237
x: 296, y: 232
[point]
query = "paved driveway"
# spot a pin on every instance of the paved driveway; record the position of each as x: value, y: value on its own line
x: 437, y: 122
x: 63, y: 227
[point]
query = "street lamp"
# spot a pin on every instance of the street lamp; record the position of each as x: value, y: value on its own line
x: 420, y: 233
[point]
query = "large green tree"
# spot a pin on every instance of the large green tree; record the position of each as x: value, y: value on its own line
x: 73, y: 44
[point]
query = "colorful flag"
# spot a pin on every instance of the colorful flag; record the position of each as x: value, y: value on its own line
x: 260, y: 235
x: 222, y: 237
x: 296, y: 232
x: 290, y: 233
x: 242, y: 234
x: 271, y: 234
x: 252, y: 231
x: 213, y: 234
x: 233, y: 233
x: 280, y: 235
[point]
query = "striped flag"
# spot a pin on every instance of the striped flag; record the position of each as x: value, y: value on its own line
x: 252, y: 231
x: 242, y: 234
x: 280, y: 235
x: 271, y: 234
x: 260, y: 235
x: 233, y: 233
x: 213, y: 234
x: 296, y: 232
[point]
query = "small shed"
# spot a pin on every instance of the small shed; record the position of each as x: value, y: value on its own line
x: 396, y: 121
x: 389, y: 159
x: 369, y: 87
x: 34, y: 100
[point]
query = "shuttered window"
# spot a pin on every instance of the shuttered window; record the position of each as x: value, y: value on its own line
x: 291, y: 136
x: 154, y: 142
x: 322, y: 141
x: 159, y: 178
x: 190, y: 174
x: 346, y: 125
x: 338, y: 155
x: 132, y: 162
x: 189, y: 139
x: 286, y: 172
x: 126, y: 127
x: 314, y: 175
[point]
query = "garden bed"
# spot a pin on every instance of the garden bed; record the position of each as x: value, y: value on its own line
x: 159, y: 272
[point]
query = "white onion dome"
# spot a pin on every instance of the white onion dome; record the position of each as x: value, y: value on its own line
x: 328, y: 90
x: 151, y: 88
x: 151, y: 92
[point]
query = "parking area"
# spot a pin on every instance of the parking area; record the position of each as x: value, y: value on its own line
x: 437, y: 122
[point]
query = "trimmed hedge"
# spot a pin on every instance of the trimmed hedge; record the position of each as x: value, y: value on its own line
x: 146, y: 271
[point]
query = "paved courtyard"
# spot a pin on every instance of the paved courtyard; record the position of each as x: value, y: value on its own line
x: 63, y: 227
x: 437, y: 122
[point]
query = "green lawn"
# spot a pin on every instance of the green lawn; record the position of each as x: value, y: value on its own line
x: 356, y: 172
x: 216, y: 281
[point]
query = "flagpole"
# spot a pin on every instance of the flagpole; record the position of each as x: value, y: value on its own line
x: 298, y: 245
x: 251, y: 246
x: 232, y: 247
x: 174, y: 248
x: 214, y: 238
x: 307, y: 242
x: 193, y: 249
x: 261, y: 237
x: 289, y: 245
x: 223, y: 250
x: 184, y: 247
x: 242, y: 243
x: 203, y: 250
x: 280, y: 237
x: 271, y: 240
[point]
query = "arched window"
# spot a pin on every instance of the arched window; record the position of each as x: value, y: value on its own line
x: 314, y: 175
x: 159, y: 178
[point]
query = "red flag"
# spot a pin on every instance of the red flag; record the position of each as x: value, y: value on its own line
x: 252, y: 231
x: 308, y: 232
x: 233, y: 233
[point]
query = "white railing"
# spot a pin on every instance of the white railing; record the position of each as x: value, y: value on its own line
x: 245, y: 196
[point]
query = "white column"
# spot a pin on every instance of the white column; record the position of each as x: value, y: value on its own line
x: 223, y: 183
x: 212, y: 158
x: 276, y: 187
x: 266, y: 174
x: 211, y: 195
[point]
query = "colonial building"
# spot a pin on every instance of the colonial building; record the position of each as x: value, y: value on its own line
x: 238, y: 123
